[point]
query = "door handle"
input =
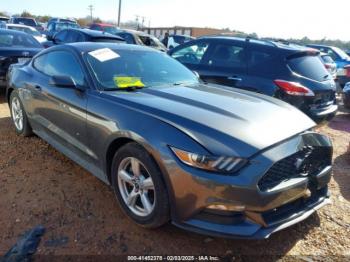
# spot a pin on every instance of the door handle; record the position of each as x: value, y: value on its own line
x: 234, y: 78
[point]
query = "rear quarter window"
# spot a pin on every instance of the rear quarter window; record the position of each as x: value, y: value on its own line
x: 327, y: 59
x: 310, y: 67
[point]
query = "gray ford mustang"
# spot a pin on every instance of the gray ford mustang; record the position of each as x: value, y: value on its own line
x: 211, y: 159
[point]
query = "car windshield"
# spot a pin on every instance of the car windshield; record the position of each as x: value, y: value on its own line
x: 341, y: 53
x: 25, y: 21
x: 137, y: 67
x: 61, y: 26
x: 18, y: 40
x: 110, y: 29
x: 150, y: 41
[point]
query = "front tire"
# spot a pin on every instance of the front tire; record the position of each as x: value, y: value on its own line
x: 19, y: 116
x: 139, y: 186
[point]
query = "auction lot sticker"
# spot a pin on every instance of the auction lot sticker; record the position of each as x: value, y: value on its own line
x: 104, y: 54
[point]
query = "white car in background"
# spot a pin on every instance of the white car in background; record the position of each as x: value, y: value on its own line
x: 29, y: 30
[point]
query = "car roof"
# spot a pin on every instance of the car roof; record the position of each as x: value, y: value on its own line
x: 83, y: 47
x: 281, y: 44
x: 317, y: 45
x: 94, y: 33
x: 20, y: 25
x: 134, y: 32
x: 20, y: 17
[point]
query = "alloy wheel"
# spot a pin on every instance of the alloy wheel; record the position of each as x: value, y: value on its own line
x: 136, y: 187
x: 17, y: 113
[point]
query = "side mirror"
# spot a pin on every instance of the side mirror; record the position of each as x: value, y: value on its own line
x: 62, y: 82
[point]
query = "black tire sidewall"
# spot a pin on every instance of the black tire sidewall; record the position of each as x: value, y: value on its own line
x: 160, y: 214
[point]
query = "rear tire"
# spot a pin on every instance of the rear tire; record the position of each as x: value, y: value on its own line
x: 19, y: 116
x: 139, y: 186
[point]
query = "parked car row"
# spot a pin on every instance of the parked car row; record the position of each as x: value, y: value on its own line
x: 15, y: 47
x: 341, y: 59
x: 289, y: 72
x: 209, y: 158
x: 211, y: 135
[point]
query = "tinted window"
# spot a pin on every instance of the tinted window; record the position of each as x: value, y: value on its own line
x: 61, y: 26
x: 73, y: 37
x: 60, y: 63
x: 329, y: 52
x: 192, y: 54
x: 179, y: 39
x: 258, y: 57
x: 327, y: 59
x: 227, y: 55
x: 110, y: 29
x: 61, y: 36
x: 18, y: 40
x: 127, y: 37
x: 152, y: 68
x: 309, y: 66
x: 39, y: 63
x: 25, y: 21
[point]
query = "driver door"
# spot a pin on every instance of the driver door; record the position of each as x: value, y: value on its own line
x: 59, y: 113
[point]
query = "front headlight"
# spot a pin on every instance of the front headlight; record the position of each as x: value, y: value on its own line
x: 221, y: 164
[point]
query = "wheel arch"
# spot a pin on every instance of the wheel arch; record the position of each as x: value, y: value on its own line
x: 120, y: 141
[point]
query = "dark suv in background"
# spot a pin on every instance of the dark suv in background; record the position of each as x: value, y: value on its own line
x: 286, y: 71
x: 28, y: 21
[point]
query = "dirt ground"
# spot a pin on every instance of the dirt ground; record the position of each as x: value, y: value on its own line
x: 38, y: 185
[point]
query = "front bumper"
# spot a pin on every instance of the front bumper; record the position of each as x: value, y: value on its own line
x: 252, y: 213
x: 250, y: 229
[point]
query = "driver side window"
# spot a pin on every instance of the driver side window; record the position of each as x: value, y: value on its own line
x: 60, y: 63
x: 192, y: 54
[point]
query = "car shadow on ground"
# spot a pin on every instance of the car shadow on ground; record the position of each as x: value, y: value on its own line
x: 341, y: 174
x: 341, y: 122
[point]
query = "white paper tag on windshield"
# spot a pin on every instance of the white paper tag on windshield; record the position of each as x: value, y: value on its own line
x: 104, y: 54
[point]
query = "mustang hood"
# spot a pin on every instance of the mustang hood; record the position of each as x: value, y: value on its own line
x: 223, y: 120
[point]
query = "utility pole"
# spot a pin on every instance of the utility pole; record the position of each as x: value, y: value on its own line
x: 137, y: 21
x: 143, y: 21
x: 119, y: 12
x: 91, y: 8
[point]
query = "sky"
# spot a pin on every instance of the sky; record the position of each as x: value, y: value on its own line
x: 315, y: 19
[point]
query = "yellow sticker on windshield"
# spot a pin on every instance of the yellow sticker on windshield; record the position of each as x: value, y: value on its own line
x: 128, y: 81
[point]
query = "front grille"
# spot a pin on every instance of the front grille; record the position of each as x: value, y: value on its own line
x: 307, y: 162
